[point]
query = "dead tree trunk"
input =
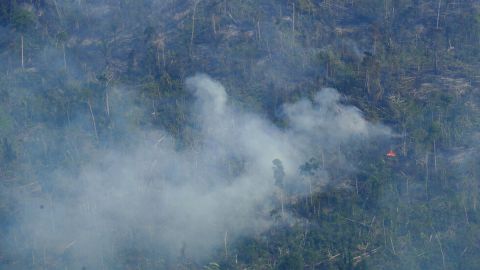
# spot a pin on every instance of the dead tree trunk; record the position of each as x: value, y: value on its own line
x: 438, y: 12
x: 193, y: 24
x: 21, y: 45
x: 93, y: 120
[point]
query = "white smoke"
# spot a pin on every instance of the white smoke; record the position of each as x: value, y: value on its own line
x: 183, y: 202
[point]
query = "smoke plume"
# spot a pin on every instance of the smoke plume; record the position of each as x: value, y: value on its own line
x: 153, y: 197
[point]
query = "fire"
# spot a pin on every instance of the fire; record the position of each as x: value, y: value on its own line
x: 391, y: 154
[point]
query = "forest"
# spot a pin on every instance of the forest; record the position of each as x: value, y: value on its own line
x: 239, y: 134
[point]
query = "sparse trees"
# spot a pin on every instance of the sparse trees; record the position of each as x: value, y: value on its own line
x: 416, y: 60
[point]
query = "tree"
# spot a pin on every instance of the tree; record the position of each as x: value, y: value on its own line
x: 292, y: 261
x: 278, y: 172
x: 279, y: 175
x: 22, y: 21
x: 62, y: 38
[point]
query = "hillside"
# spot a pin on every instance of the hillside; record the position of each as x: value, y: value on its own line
x: 228, y: 134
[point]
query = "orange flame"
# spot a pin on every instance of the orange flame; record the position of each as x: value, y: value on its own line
x: 391, y: 154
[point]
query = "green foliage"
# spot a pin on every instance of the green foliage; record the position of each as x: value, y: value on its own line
x: 22, y: 20
x: 291, y: 262
x: 6, y: 126
x: 388, y: 58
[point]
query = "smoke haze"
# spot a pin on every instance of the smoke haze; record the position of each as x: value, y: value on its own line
x: 151, y: 195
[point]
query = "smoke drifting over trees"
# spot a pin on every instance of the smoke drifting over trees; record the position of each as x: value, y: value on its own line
x: 204, y: 134
x: 157, y: 197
